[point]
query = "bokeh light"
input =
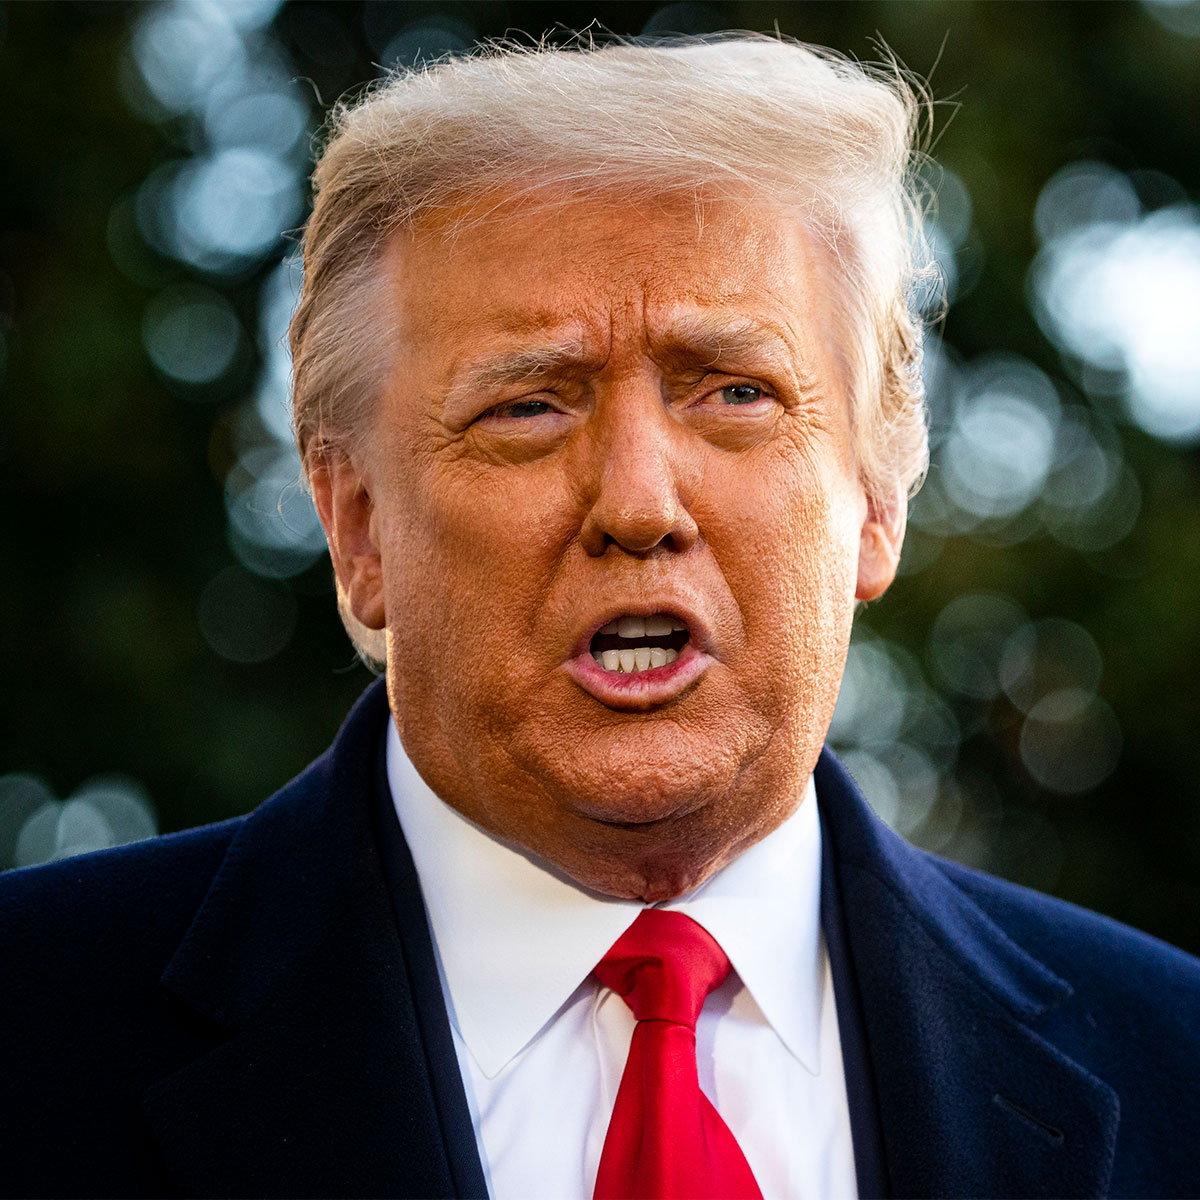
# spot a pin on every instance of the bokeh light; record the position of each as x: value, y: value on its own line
x: 1070, y: 741
x: 183, y: 50
x: 968, y: 639
x: 896, y: 736
x: 273, y: 527
x: 21, y: 795
x: 426, y: 39
x: 1047, y: 656
x: 1118, y: 289
x: 1001, y: 446
x: 108, y: 810
x: 244, y: 618
x: 230, y: 207
x: 1179, y: 16
x: 277, y: 301
x: 223, y: 211
x: 191, y: 334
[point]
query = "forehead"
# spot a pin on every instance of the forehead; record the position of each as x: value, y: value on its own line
x: 587, y: 270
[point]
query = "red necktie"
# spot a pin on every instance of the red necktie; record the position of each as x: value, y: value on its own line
x: 665, y: 1140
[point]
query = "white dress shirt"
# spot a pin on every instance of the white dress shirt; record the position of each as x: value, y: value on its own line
x: 542, y: 1045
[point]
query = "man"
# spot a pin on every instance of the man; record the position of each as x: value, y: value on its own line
x: 610, y: 405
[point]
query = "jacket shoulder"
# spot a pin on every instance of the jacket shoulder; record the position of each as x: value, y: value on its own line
x: 108, y: 907
x: 1088, y: 949
x: 84, y: 943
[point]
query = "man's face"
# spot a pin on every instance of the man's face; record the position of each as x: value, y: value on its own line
x: 600, y: 414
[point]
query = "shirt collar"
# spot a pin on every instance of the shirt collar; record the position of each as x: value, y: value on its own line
x: 516, y: 938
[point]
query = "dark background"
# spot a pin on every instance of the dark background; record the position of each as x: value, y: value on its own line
x: 161, y: 664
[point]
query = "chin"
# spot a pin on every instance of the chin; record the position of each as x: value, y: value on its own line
x: 638, y: 777
x: 664, y: 778
x: 647, y: 819
x: 659, y: 861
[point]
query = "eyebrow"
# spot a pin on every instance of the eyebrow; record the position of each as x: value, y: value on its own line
x: 707, y: 337
x: 521, y: 364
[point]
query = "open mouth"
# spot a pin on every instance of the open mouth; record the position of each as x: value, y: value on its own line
x: 632, y: 644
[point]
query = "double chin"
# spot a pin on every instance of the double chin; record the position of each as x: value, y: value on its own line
x: 656, y: 825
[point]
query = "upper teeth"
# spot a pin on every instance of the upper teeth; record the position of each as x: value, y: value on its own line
x: 635, y: 627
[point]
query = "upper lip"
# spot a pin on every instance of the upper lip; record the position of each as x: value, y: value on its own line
x: 698, y: 633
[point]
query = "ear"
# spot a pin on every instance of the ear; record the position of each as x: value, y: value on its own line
x: 880, y: 540
x: 342, y: 495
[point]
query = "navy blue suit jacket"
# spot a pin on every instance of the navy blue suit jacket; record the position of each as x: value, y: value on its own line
x: 253, y: 1009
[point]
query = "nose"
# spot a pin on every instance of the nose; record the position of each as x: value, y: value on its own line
x: 638, y: 461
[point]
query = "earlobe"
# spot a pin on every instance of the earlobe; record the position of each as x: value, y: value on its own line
x: 344, y: 505
x: 880, y: 541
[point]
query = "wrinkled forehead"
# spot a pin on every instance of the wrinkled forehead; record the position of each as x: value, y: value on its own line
x: 545, y: 222
x: 560, y: 276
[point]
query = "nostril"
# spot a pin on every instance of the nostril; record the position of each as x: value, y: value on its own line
x: 639, y: 529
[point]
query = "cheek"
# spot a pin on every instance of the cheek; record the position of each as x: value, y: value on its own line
x: 791, y: 562
x: 468, y: 557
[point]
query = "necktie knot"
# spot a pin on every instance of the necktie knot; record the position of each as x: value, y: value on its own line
x: 664, y: 966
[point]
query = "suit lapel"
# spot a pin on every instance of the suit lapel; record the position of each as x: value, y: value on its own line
x: 320, y: 1081
x: 972, y: 1100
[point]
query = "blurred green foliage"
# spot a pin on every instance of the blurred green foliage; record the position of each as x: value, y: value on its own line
x: 113, y: 477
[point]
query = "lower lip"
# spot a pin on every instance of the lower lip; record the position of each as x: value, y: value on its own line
x: 639, y: 690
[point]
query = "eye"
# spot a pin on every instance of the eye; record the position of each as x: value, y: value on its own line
x: 740, y: 393
x: 519, y: 409
x: 737, y: 394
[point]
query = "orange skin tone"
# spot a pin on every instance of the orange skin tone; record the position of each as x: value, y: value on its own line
x: 488, y: 521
